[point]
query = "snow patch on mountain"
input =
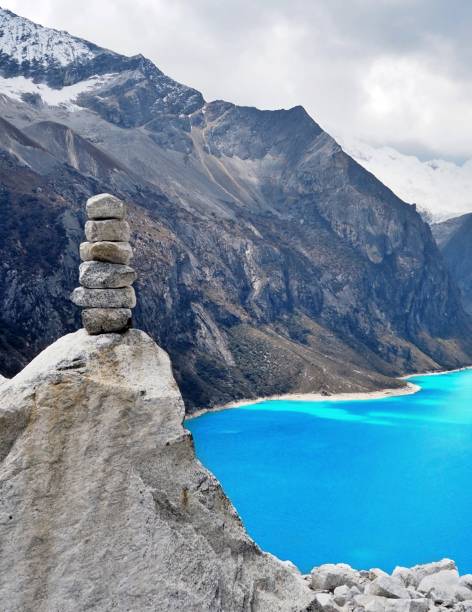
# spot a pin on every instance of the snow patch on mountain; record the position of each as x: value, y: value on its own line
x: 23, y: 40
x: 16, y: 87
x: 440, y: 189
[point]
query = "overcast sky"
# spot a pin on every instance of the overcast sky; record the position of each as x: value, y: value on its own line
x: 395, y: 72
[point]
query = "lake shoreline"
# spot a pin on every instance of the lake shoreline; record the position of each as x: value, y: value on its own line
x: 409, y: 389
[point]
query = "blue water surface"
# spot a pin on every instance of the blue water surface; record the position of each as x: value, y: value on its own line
x: 372, y: 483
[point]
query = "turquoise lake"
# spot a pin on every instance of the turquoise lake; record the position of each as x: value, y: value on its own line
x: 372, y: 483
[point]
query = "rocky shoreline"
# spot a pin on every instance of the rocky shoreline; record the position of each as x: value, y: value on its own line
x: 432, y: 586
x: 409, y: 389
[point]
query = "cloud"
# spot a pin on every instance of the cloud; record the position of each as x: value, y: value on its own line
x: 391, y: 72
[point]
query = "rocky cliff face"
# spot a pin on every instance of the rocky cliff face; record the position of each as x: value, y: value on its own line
x: 454, y: 238
x: 103, y: 505
x: 270, y: 261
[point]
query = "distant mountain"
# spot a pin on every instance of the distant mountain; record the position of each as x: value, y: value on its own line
x: 441, y: 189
x: 454, y: 238
x: 269, y: 259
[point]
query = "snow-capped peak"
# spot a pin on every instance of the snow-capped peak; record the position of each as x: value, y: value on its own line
x: 441, y: 189
x: 25, y: 41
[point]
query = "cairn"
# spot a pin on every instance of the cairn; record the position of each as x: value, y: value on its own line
x: 106, y: 294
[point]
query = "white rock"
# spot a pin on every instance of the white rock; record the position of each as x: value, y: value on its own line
x: 407, y: 605
x: 341, y: 595
x: 370, y: 603
x: 373, y: 573
x: 330, y: 575
x: 324, y: 602
x: 387, y: 586
x: 413, y: 576
x: 103, y: 504
x: 440, y: 586
x: 463, y: 593
x: 376, y: 603
x: 466, y: 580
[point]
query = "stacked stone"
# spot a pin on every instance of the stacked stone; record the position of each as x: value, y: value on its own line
x: 106, y: 294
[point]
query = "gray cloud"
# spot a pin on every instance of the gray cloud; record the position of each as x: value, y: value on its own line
x: 391, y: 72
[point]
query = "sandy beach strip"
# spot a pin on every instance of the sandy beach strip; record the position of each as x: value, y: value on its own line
x: 314, y: 397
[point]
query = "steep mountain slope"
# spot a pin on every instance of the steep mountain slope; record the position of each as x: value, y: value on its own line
x: 454, y: 238
x: 269, y: 260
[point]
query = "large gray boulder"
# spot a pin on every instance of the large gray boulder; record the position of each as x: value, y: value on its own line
x: 103, y: 505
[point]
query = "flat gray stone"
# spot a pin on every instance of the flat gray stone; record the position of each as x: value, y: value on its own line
x: 324, y: 602
x: 440, y: 586
x: 328, y: 576
x: 102, y: 275
x: 113, y: 252
x: 115, y: 230
x: 106, y: 320
x: 105, y: 206
x: 388, y: 586
x: 104, y: 298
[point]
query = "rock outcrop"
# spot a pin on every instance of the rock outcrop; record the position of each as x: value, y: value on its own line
x: 103, y: 505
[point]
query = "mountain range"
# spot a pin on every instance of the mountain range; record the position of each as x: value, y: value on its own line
x: 440, y: 188
x: 269, y: 260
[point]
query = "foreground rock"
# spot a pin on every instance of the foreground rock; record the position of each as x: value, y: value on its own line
x: 103, y: 505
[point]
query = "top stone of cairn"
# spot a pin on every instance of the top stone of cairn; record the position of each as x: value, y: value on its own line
x: 105, y: 206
